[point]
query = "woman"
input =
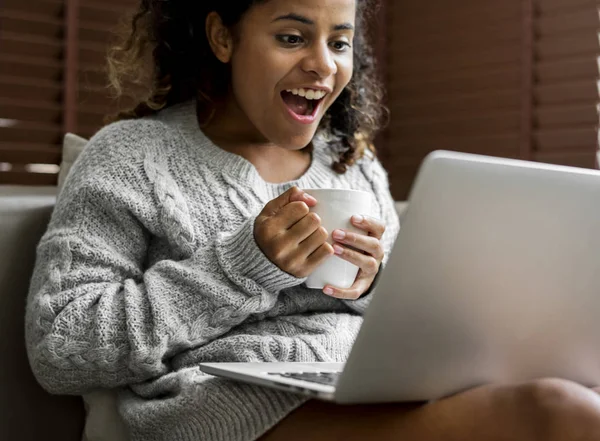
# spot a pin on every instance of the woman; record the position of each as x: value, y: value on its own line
x: 182, y: 237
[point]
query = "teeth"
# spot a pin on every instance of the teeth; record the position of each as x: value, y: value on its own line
x: 309, y: 94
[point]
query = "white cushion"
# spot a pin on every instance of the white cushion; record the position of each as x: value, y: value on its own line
x: 73, y: 145
x: 103, y: 422
x: 401, y: 208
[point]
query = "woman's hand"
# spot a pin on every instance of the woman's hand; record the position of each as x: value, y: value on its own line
x: 366, y: 252
x: 290, y: 236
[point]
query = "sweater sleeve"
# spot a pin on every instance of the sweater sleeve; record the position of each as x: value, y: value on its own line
x: 378, y: 177
x: 98, y: 316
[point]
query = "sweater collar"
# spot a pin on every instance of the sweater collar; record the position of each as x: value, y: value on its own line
x: 183, y: 117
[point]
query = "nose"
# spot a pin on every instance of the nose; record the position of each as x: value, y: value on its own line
x: 319, y: 61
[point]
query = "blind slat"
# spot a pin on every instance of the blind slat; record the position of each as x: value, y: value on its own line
x: 566, y: 69
x: 427, y: 142
x: 413, y: 34
x: 41, y: 51
x: 26, y: 178
x: 30, y: 68
x: 570, y: 157
x: 43, y: 154
x: 45, y: 94
x: 102, y: 16
x: 468, y: 83
x: 500, y: 56
x: 34, y: 111
x: 556, y: 24
x: 34, y: 25
x: 31, y: 133
x: 568, y: 92
x: 89, y: 34
x: 478, y: 14
x: 567, y: 116
x: 47, y: 8
x: 563, y: 6
x: 567, y: 46
x: 580, y: 138
x: 482, y: 125
x: 92, y: 56
x: 449, y: 103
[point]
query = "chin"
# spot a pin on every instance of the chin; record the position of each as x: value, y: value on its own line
x: 297, y: 142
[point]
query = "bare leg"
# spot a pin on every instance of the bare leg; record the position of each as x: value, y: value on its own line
x: 546, y: 410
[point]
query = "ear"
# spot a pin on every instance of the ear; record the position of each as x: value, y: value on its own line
x: 219, y: 37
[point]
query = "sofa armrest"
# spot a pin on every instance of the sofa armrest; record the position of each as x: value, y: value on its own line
x: 27, y: 412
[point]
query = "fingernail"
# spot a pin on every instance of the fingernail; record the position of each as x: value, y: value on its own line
x: 308, y: 197
x: 358, y: 219
x: 339, y: 235
x: 328, y: 291
x: 338, y: 250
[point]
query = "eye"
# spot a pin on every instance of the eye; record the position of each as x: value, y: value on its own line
x: 340, y: 46
x: 290, y: 40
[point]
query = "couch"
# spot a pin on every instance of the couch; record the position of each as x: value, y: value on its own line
x: 27, y: 412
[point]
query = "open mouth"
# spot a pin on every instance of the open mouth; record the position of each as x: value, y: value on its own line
x: 303, y: 103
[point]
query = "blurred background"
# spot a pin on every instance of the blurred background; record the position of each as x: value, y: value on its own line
x: 509, y: 78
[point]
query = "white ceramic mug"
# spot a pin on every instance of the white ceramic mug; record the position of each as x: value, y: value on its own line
x: 335, y: 207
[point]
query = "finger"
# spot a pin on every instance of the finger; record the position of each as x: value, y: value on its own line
x: 313, y: 242
x: 294, y: 194
x: 289, y: 215
x: 368, y: 264
x: 304, y: 227
x: 283, y: 220
x: 354, y: 292
x: 302, y: 265
x: 301, y: 196
x: 320, y: 255
x: 373, y: 226
x: 369, y: 244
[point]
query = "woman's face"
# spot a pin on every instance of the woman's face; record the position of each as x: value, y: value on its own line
x: 291, y: 59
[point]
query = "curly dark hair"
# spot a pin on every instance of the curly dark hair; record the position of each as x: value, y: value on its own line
x: 163, y: 58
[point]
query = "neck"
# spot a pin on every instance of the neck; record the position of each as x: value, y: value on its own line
x: 229, y: 127
x: 231, y: 130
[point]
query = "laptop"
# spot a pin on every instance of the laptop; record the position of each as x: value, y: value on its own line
x: 494, y: 278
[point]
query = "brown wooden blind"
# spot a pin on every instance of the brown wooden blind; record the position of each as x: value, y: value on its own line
x: 51, y: 80
x: 513, y: 79
x: 97, y: 24
x: 31, y: 47
x: 566, y: 82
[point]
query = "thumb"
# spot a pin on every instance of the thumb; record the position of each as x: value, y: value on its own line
x: 294, y: 194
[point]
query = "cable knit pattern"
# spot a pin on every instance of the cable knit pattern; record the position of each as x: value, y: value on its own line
x: 149, y: 267
x: 173, y: 206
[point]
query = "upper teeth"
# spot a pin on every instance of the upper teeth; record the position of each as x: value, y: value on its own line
x: 309, y: 94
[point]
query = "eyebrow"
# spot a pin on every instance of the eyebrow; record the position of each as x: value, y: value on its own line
x: 308, y: 21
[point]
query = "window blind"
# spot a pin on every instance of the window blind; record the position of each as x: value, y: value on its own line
x: 52, y: 80
x: 565, y: 113
x: 515, y: 79
x: 31, y: 47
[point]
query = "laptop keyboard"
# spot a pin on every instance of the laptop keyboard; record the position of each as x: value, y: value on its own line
x: 326, y: 378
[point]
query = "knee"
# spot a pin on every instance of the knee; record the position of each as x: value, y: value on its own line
x: 556, y: 409
x: 549, y: 392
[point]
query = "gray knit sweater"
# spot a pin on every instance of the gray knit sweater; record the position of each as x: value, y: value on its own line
x: 149, y: 267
